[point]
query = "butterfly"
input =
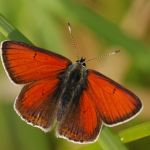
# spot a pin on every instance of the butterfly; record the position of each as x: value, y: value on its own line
x: 55, y: 90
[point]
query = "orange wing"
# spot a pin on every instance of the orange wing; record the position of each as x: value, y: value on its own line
x: 37, y: 103
x: 115, y: 103
x: 82, y: 123
x: 26, y: 63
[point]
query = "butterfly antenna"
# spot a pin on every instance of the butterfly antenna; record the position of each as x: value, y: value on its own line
x: 74, y: 43
x: 105, y: 55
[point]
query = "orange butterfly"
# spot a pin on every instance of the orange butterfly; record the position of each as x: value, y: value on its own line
x: 80, y: 100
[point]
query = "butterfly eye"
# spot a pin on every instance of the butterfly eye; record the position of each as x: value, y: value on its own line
x: 84, y: 64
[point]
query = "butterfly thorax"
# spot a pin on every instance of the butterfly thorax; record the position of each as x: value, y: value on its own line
x: 73, y: 82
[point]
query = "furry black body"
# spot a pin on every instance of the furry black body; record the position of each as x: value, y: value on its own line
x: 72, y: 84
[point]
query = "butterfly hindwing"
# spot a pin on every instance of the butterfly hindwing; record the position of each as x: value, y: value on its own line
x: 37, y: 103
x: 115, y: 103
x: 25, y: 63
x: 82, y: 123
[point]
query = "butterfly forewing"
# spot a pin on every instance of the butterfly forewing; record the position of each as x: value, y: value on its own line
x: 115, y: 103
x: 26, y: 63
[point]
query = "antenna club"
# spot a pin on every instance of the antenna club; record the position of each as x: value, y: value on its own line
x: 114, y: 52
x: 69, y: 27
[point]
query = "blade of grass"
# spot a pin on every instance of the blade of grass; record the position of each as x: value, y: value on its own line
x: 135, y: 133
x: 110, y: 141
x: 10, y: 32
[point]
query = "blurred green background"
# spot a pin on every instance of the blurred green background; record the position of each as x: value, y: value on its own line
x: 99, y: 26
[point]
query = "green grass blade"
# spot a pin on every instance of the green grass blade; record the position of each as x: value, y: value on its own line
x: 110, y: 141
x: 135, y: 133
x: 10, y: 32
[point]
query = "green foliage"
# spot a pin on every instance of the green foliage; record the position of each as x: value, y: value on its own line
x: 10, y: 32
x: 135, y: 132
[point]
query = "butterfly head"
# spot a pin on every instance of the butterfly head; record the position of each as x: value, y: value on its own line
x: 81, y: 61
